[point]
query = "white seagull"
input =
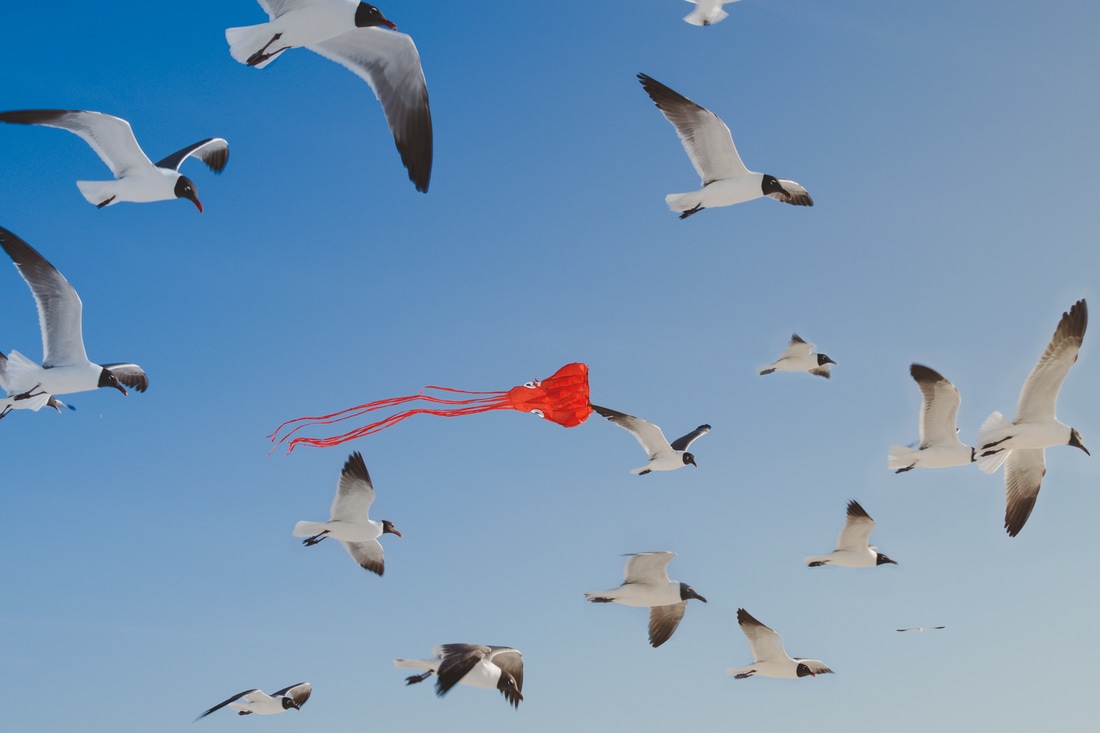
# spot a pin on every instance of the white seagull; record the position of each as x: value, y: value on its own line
x: 137, y: 179
x: 799, y: 357
x: 923, y: 628
x: 852, y: 550
x: 709, y: 144
x: 663, y: 456
x: 940, y: 446
x: 349, y: 522
x: 1021, y: 444
x: 477, y: 665
x: 260, y: 703
x: 646, y: 584
x: 769, y: 657
x: 347, y: 32
x: 65, y: 367
x: 707, y: 12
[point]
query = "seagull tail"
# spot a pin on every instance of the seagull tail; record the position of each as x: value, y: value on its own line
x: 901, y: 458
x: 683, y: 201
x: 100, y: 193
x: 309, y: 529
x: 247, y: 41
x: 994, y: 429
x: 698, y: 17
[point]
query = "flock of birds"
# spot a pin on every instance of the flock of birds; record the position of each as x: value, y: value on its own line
x: 358, y: 36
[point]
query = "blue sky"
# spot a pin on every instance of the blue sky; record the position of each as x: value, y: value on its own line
x: 148, y: 568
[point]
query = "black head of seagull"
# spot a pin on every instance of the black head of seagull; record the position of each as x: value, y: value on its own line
x: 288, y: 703
x: 803, y: 670
x: 508, y: 686
x: 690, y: 458
x: 1075, y: 441
x: 107, y: 378
x: 822, y: 360
x: 686, y: 592
x: 771, y: 185
x: 881, y: 559
x: 367, y: 15
x: 185, y: 189
x: 387, y: 526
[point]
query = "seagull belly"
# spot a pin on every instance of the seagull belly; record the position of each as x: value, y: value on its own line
x: 643, y: 595
x: 484, y: 674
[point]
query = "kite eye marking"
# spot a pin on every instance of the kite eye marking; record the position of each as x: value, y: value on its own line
x: 538, y: 412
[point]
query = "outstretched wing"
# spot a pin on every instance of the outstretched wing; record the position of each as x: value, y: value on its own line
x: 214, y: 151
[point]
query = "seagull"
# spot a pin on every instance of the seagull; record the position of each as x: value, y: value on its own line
x: 65, y: 367
x: 799, y: 357
x: 663, y: 456
x: 646, y: 584
x: 851, y: 547
x: 477, y: 665
x: 348, y: 32
x: 33, y: 402
x: 922, y: 628
x: 709, y: 144
x: 769, y: 658
x: 256, y: 701
x: 136, y: 177
x: 349, y: 522
x: 940, y: 446
x: 1021, y: 444
x: 707, y: 12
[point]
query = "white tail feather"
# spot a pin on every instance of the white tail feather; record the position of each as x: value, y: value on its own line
x: 683, y: 201
x: 995, y: 428
x: 901, y: 457
x: 247, y: 40
x: 308, y: 529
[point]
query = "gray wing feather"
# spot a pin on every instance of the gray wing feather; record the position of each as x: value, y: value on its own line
x: 648, y: 567
x: 1024, y: 471
x: 369, y: 555
x: 939, y: 411
x: 223, y: 703
x: 1040, y: 392
x: 299, y: 693
x: 684, y: 441
x: 110, y: 137
x: 663, y: 621
x: 647, y: 434
x: 129, y: 374
x: 354, y: 492
x: 214, y: 151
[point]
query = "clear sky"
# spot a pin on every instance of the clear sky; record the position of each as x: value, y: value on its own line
x: 148, y: 570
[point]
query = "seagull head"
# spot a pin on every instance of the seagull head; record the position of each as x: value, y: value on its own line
x: 387, y: 526
x: 508, y: 686
x: 1075, y: 441
x: 107, y: 378
x: 366, y: 15
x: 803, y: 670
x: 881, y: 559
x: 822, y: 360
x: 689, y: 458
x: 686, y: 592
x: 185, y: 189
x: 289, y: 703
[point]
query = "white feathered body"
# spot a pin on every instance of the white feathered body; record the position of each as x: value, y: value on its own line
x: 141, y: 186
x: 1038, y: 434
x: 22, y: 375
x: 303, y: 26
x: 723, y: 192
x: 935, y: 456
x: 863, y: 558
x: 707, y: 12
x: 363, y: 531
x: 484, y: 674
x: 662, y: 593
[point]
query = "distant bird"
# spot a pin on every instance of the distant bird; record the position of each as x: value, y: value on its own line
x: 646, y: 584
x: 65, y: 367
x: 769, y: 657
x: 1021, y: 444
x: 256, y: 701
x: 347, y: 32
x: 663, y: 456
x: 851, y: 547
x: 499, y: 667
x: 137, y: 179
x: 940, y: 446
x: 349, y: 522
x: 799, y: 357
x: 709, y: 144
x: 707, y: 12
x: 922, y: 628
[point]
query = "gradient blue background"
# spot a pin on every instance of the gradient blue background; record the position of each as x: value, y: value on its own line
x: 147, y: 569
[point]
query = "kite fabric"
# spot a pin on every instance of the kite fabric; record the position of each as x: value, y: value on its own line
x: 560, y: 398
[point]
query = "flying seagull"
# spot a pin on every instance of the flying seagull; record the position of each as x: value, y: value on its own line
x: 65, y: 366
x: 940, y: 446
x: 136, y: 177
x: 769, y: 657
x: 1021, y: 444
x: 851, y: 547
x: 707, y: 12
x: 478, y: 665
x: 646, y: 584
x: 349, y: 522
x: 260, y: 703
x: 922, y: 628
x: 349, y: 33
x: 709, y: 144
x: 799, y: 357
x: 663, y: 456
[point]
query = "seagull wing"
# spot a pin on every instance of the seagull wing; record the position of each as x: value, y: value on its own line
x: 648, y: 567
x: 110, y: 137
x: 1024, y: 471
x: 129, y: 374
x: 648, y: 434
x: 510, y: 662
x: 684, y: 441
x: 704, y: 136
x: 766, y: 645
x: 1040, y: 392
x: 354, y: 492
x: 793, y: 193
x: 857, y: 529
x: 368, y: 554
x: 275, y: 8
x: 59, y: 307
x: 663, y: 620
x: 223, y: 703
x: 299, y: 693
x: 939, y: 410
x: 389, y: 63
x: 797, y: 348
x: 214, y: 151
x: 458, y: 660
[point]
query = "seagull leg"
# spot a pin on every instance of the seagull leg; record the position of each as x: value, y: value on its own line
x: 101, y: 204
x: 743, y: 676
x: 310, y: 541
x: 907, y: 468
x: 29, y: 393
x: 689, y: 212
x: 262, y: 55
x: 7, y: 409
x: 412, y: 680
x: 996, y: 442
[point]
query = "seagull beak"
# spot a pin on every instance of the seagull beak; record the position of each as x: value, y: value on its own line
x: 120, y: 388
x: 198, y: 204
x: 397, y: 533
